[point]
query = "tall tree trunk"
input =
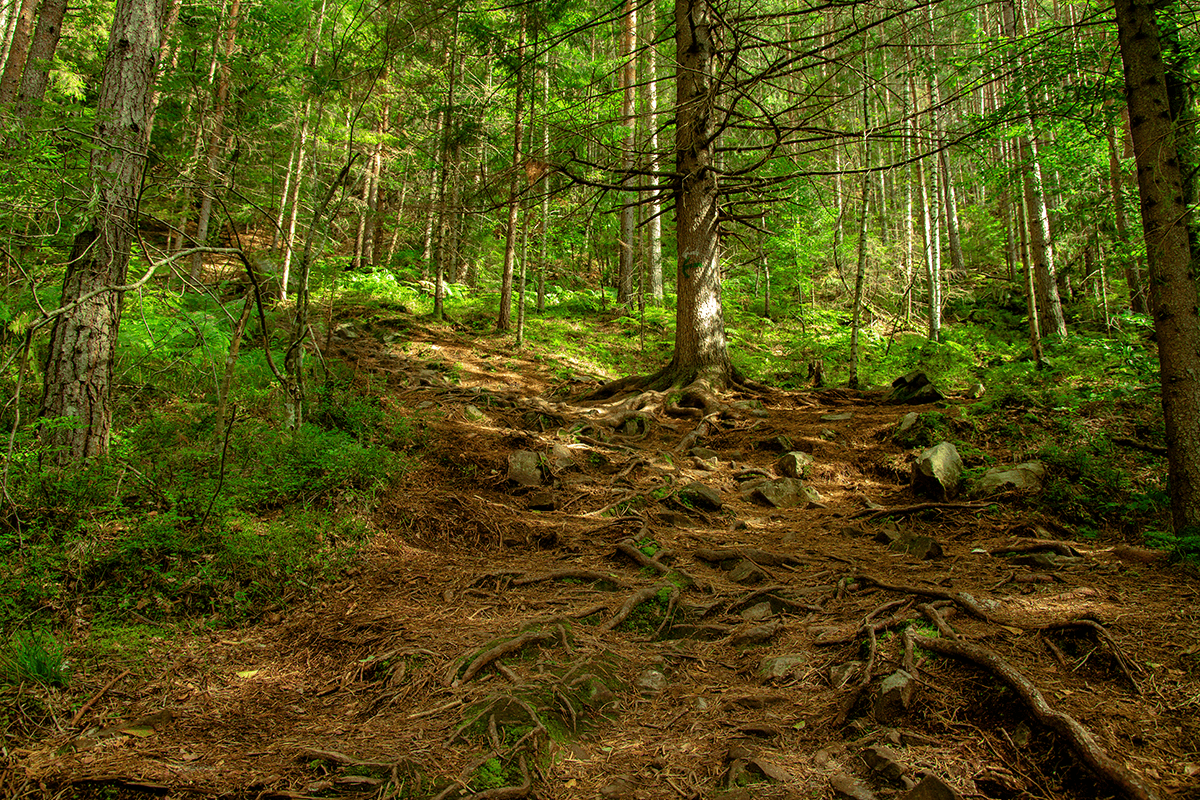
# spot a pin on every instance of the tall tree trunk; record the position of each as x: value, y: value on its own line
x: 1041, y: 243
x: 41, y: 53
x: 443, y: 213
x: 626, y: 241
x: 1153, y: 123
x: 504, y: 320
x: 79, y: 364
x: 860, y: 273
x: 18, y: 49
x: 315, y: 31
x: 654, y: 203
x: 701, y: 350
x: 216, y: 136
x: 1133, y: 277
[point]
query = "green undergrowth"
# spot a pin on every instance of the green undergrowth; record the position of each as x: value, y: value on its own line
x: 180, y: 523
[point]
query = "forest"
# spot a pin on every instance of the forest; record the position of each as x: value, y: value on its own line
x: 684, y: 399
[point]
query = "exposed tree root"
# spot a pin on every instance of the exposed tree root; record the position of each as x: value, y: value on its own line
x: 508, y: 792
x: 629, y: 548
x: 499, y: 651
x: 570, y: 574
x: 872, y: 513
x: 1022, y: 545
x: 764, y: 558
x: 636, y: 599
x: 1103, y: 635
x: 968, y: 603
x: 1081, y: 739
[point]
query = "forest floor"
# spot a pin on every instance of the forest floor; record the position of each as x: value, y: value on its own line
x: 627, y: 643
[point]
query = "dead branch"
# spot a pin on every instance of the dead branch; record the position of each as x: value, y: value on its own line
x: 86, y: 706
x: 1081, y: 738
x: 501, y: 650
x: 870, y: 514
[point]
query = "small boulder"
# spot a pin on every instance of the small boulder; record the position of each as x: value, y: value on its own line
x: 704, y: 453
x: 473, y: 413
x: 884, y: 761
x: 894, y: 697
x: 525, y: 468
x: 932, y: 787
x: 938, y: 472
x: 913, y: 389
x: 785, y: 493
x: 651, y: 681
x: 542, y: 500
x: 777, y: 667
x: 697, y: 495
x: 747, y: 573
x: 849, y: 788
x: 919, y: 547
x: 794, y: 464
x: 1023, y: 477
x: 839, y: 417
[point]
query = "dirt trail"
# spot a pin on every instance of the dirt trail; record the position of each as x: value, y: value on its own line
x: 477, y: 650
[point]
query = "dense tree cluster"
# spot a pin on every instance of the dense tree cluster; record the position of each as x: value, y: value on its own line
x: 890, y: 158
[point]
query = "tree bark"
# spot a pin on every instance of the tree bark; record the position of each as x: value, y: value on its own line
x: 1165, y: 219
x: 79, y: 365
x: 700, y: 344
x: 625, y: 244
x: 41, y: 53
x: 18, y: 49
x: 654, y: 203
x: 504, y: 319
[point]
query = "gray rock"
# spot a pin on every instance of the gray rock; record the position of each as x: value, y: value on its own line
x: 704, y: 453
x: 932, y: 787
x: 782, y: 666
x: 785, y: 493
x: 938, y: 472
x: 914, y: 388
x: 850, y: 788
x: 542, y: 500
x: 473, y: 413
x: 1022, y: 477
x: 884, y: 761
x: 794, y: 464
x: 427, y: 404
x: 920, y: 547
x: 894, y: 697
x: 747, y: 573
x: 700, y: 496
x: 841, y: 674
x: 560, y: 458
x: 976, y: 391
x: 907, y: 421
x: 758, y: 612
x: 651, y: 681
x: 842, y: 417
x: 622, y: 787
x: 525, y: 468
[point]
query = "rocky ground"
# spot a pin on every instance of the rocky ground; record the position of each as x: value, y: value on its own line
x: 640, y: 612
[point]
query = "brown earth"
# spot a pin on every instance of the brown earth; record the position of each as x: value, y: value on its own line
x: 479, y: 649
